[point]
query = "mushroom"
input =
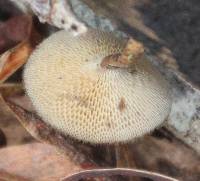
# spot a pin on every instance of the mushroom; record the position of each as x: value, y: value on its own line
x: 82, y: 87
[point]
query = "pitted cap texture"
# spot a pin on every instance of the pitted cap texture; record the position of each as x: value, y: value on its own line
x: 75, y: 95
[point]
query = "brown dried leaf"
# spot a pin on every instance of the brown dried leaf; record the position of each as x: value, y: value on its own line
x: 4, y: 176
x: 43, y: 132
x: 10, y: 89
x: 14, y: 133
x: 14, y: 30
x: 164, y: 153
x: 132, y: 52
x: 13, y: 59
x: 35, y: 161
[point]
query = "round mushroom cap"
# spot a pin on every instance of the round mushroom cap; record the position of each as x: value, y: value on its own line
x: 75, y: 95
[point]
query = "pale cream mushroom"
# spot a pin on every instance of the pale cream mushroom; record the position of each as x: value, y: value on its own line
x: 76, y: 93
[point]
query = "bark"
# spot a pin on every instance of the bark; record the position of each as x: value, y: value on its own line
x: 55, y: 12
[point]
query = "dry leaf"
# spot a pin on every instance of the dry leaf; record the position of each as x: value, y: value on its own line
x: 43, y: 132
x: 13, y: 31
x: 11, y: 89
x: 14, y: 58
x: 35, y: 161
x: 133, y: 51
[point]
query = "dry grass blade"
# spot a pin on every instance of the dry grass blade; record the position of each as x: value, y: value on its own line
x: 118, y: 171
x: 43, y: 132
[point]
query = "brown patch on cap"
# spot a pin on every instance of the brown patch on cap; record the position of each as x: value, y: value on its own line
x: 122, y: 104
x: 108, y: 125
